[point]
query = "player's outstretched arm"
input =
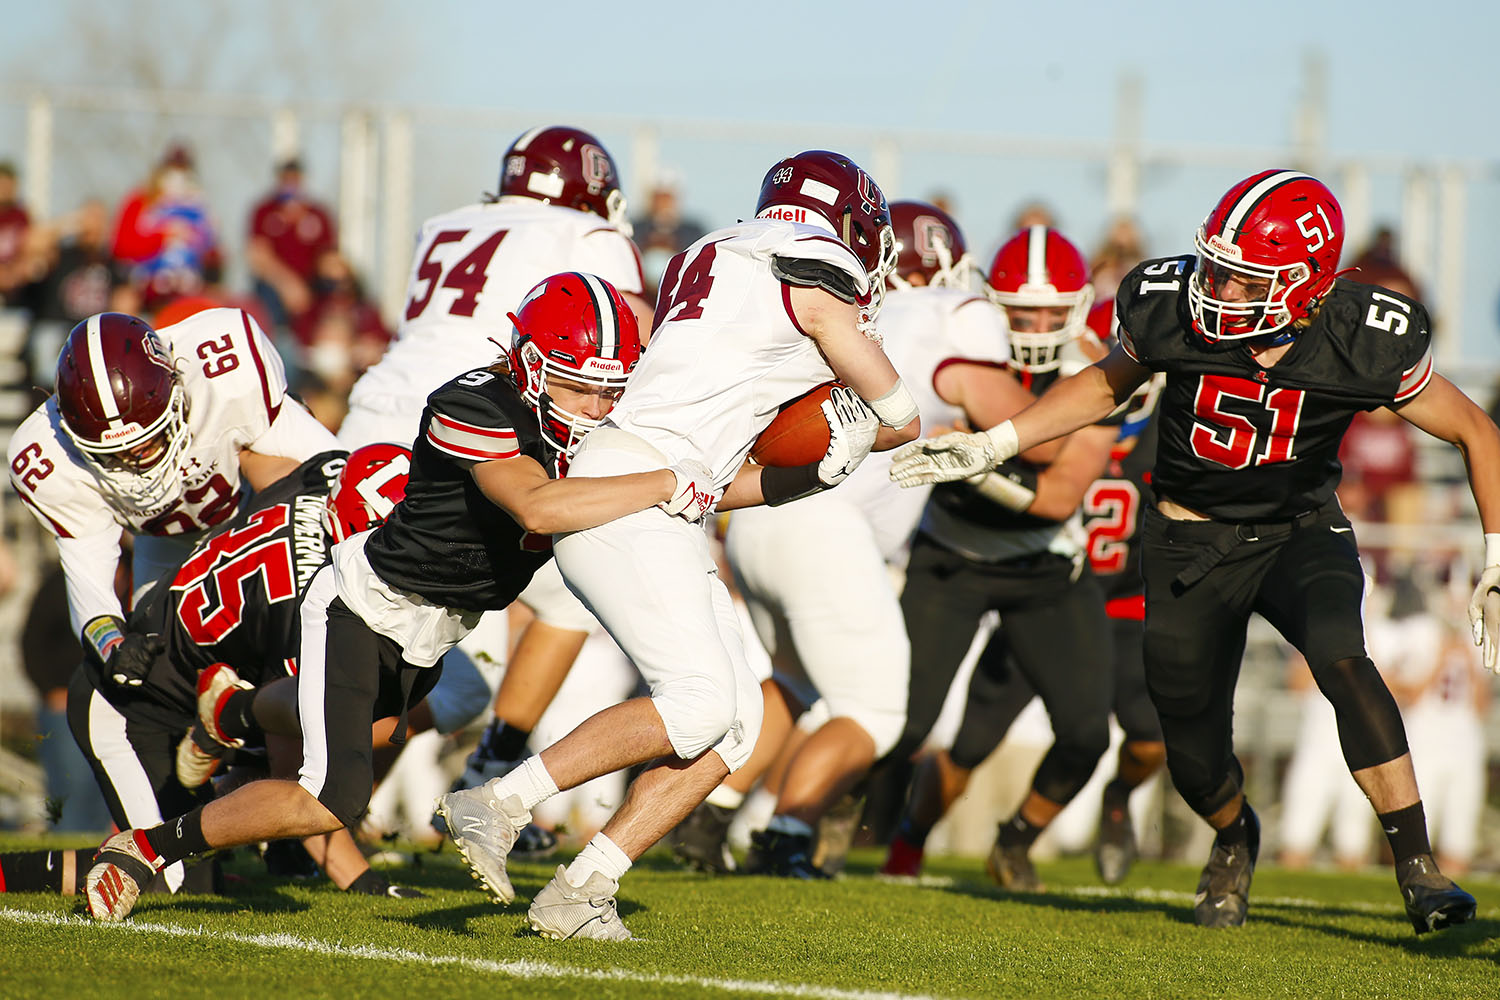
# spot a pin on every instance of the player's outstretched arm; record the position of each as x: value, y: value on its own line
x: 858, y: 362
x: 544, y: 506
x: 1443, y: 411
x: 1074, y: 402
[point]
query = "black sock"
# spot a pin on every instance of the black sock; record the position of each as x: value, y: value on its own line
x: 912, y: 832
x: 178, y: 838
x: 1406, y: 829
x: 1238, y: 831
x: 237, y: 716
x: 1117, y: 794
x: 39, y: 871
x: 1018, y: 832
x: 502, y: 741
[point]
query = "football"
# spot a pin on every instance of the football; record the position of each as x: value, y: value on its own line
x: 799, y: 434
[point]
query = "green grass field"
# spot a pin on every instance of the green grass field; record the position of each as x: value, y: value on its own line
x: 956, y: 935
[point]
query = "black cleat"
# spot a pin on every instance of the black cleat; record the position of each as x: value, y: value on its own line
x: 1433, y: 900
x: 1116, y: 849
x: 785, y: 855
x: 700, y: 839
x: 1011, y: 868
x: 1223, y: 896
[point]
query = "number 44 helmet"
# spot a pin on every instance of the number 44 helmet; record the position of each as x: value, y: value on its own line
x: 372, y: 483
x: 123, y: 407
x: 1267, y: 253
x: 576, y: 328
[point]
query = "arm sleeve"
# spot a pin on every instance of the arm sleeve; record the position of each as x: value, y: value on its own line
x: 294, y: 433
x: 89, y: 563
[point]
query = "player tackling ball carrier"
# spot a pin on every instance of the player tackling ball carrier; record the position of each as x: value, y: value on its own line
x: 1268, y: 355
x: 748, y: 317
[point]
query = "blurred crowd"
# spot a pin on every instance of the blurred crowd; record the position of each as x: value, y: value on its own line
x: 161, y: 254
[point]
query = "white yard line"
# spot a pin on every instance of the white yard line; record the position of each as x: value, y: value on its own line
x: 523, y: 969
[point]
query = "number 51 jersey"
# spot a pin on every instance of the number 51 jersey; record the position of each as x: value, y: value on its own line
x: 1241, y: 442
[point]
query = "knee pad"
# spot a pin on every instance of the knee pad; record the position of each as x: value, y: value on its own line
x: 697, y: 711
x: 1204, y: 791
x: 1065, y: 770
x: 1370, y: 727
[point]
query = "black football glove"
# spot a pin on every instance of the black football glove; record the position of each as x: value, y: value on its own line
x: 131, y: 661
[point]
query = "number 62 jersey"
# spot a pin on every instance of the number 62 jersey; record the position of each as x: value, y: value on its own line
x: 1242, y: 442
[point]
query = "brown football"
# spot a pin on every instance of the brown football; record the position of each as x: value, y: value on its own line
x: 799, y: 434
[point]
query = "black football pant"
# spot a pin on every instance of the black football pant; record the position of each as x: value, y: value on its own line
x: 1203, y: 581
x: 1052, y: 627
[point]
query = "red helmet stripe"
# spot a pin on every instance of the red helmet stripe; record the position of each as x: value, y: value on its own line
x: 1036, y: 257
x: 606, y: 318
x: 1253, y: 197
x: 108, y: 406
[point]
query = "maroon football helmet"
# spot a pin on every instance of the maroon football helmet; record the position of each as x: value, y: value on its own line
x: 830, y: 191
x: 578, y: 328
x: 372, y: 483
x: 1267, y: 253
x: 929, y: 243
x: 1040, y: 268
x: 122, y: 405
x: 560, y: 165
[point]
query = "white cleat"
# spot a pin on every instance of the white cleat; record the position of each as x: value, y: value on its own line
x: 124, y: 866
x: 484, y: 830
x: 564, y: 912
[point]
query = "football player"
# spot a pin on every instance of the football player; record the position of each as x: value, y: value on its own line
x: 558, y: 207
x: 1268, y: 355
x: 233, y: 601
x: 814, y: 572
x: 747, y: 318
x: 484, y: 496
x: 1012, y: 541
x: 152, y: 431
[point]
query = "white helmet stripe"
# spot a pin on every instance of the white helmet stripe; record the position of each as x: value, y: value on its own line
x: 1252, y: 197
x: 107, y: 403
x: 1036, y: 256
x: 520, y: 144
x: 604, y: 309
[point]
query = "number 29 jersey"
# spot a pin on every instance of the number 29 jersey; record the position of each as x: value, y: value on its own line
x: 1241, y: 442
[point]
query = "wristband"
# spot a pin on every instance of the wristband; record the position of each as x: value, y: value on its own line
x: 103, y: 635
x: 897, y: 407
x: 1003, y: 437
x: 1492, y: 548
x: 783, y: 484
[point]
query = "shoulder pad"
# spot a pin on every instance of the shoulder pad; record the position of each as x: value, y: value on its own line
x: 1387, y: 334
x: 478, y: 417
x: 807, y: 273
x: 1151, y: 305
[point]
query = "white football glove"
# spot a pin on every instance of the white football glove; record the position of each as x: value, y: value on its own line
x: 949, y: 457
x: 1484, y: 606
x: 852, y: 427
x: 695, y: 495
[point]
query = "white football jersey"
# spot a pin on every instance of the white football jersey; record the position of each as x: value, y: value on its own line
x: 727, y: 353
x: 471, y: 268
x: 924, y: 329
x: 234, y: 383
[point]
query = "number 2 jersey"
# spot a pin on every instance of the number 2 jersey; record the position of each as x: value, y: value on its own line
x: 1240, y: 442
x: 446, y: 542
x: 235, y: 599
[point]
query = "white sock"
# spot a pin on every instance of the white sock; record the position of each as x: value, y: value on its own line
x: 600, y: 855
x: 789, y: 825
x: 530, y: 783
x: 725, y: 798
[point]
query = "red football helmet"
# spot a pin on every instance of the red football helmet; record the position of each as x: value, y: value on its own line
x: 1040, y: 268
x: 929, y: 243
x: 123, y: 406
x: 372, y: 483
x: 830, y: 191
x: 578, y: 328
x: 560, y: 165
x: 1266, y: 254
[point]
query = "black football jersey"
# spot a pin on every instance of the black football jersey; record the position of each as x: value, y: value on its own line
x: 1240, y: 442
x: 235, y: 599
x: 446, y: 542
x: 1113, y: 508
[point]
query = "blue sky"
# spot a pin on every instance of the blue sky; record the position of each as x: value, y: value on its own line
x: 1403, y: 81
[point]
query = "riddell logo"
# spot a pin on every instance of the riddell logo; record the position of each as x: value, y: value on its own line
x: 785, y: 213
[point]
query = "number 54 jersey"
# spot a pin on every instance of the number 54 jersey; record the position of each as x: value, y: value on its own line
x: 1242, y: 442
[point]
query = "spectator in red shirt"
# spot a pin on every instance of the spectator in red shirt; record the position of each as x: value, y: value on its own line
x: 164, y: 233
x: 14, y: 222
x: 288, y: 233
